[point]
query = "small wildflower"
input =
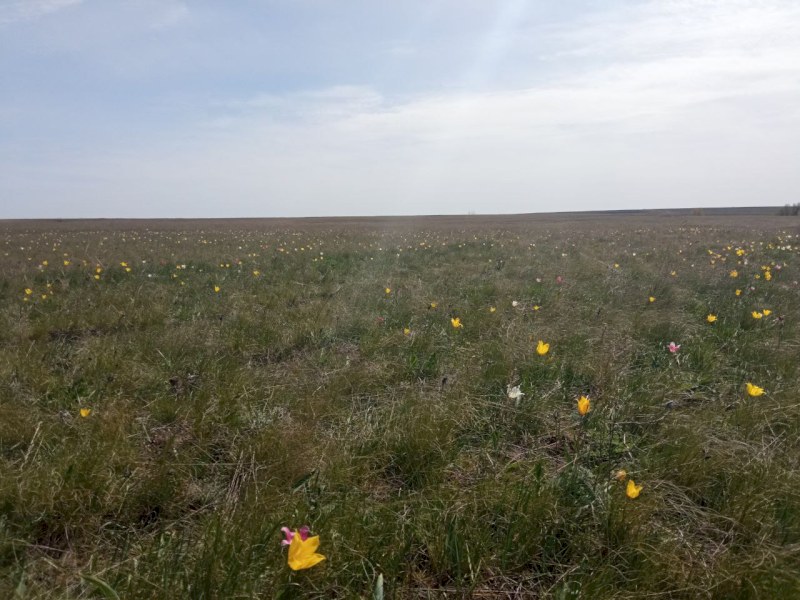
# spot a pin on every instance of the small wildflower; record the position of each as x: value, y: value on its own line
x: 303, y: 552
x: 456, y: 322
x: 85, y: 412
x: 673, y: 347
x: 492, y: 309
x: 620, y: 475
x: 711, y: 318
x: 542, y: 348
x: 651, y: 299
x: 216, y: 289
x: 734, y: 273
x: 433, y: 305
x: 738, y: 292
x: 766, y: 312
x: 514, y: 393
x: 584, y: 406
x: 28, y: 291
x: 388, y: 291
x: 757, y: 315
x: 753, y: 389
x: 406, y: 331
x: 632, y: 490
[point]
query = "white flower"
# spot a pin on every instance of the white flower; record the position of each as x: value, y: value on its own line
x: 514, y: 303
x: 514, y: 393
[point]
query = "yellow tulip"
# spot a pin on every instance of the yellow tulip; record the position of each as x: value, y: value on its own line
x: 754, y: 390
x: 456, y: 322
x: 767, y: 312
x: 633, y: 490
x: 711, y: 318
x: 584, y: 406
x: 85, y: 412
x: 303, y: 553
x: 542, y: 348
x: 756, y: 314
x: 652, y: 299
x: 216, y: 288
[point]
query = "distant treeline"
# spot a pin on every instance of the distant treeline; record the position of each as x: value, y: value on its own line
x: 790, y: 210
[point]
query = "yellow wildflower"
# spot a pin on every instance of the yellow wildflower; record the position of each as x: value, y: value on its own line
x: 388, y: 290
x: 754, y: 390
x: 756, y: 314
x: 766, y: 312
x: 734, y: 273
x: 456, y: 322
x: 216, y: 288
x: 651, y: 299
x: 85, y: 412
x: 542, y: 348
x: 303, y: 553
x: 632, y: 490
x: 28, y: 291
x: 584, y: 406
x: 492, y: 309
x: 738, y: 292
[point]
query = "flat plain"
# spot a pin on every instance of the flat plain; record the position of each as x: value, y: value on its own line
x: 173, y: 393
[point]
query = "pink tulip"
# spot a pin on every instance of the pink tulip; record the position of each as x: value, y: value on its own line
x: 303, y: 531
x: 673, y: 347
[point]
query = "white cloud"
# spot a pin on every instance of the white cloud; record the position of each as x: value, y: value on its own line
x: 13, y: 11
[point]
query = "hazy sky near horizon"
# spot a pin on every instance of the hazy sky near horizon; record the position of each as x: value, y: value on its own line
x: 168, y: 108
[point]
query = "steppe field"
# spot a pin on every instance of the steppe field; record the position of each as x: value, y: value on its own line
x: 586, y: 406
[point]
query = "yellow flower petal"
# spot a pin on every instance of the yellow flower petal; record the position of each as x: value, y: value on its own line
x: 754, y: 390
x: 632, y: 490
x: 303, y: 553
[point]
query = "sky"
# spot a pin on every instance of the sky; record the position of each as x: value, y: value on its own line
x: 168, y: 108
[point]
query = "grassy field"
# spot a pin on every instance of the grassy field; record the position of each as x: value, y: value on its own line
x: 172, y: 394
